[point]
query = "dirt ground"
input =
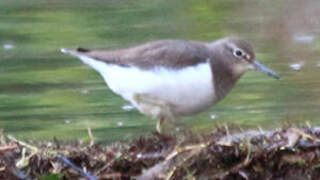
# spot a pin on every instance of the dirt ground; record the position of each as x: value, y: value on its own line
x: 285, y: 154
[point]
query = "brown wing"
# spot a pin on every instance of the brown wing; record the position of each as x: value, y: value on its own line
x: 166, y: 53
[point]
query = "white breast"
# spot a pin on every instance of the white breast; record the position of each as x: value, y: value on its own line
x: 189, y: 89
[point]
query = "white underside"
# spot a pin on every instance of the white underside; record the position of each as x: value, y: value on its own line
x: 189, y: 90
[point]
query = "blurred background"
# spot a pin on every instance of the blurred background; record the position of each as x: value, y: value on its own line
x: 44, y: 94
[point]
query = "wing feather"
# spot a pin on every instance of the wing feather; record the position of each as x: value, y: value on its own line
x: 167, y: 53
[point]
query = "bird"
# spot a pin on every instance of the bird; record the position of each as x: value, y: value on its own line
x: 165, y: 79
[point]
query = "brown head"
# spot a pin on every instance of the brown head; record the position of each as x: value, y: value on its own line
x: 237, y: 56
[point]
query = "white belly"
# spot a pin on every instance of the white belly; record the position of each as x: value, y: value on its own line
x: 189, y: 90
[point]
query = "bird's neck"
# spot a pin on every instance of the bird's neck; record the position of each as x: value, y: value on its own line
x: 223, y: 79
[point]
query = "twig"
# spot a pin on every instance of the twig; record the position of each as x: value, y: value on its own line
x: 10, y: 165
x: 15, y: 171
x: 8, y: 147
x: 33, y: 148
x: 186, y: 148
x: 73, y: 166
x: 111, y: 176
x: 90, y: 136
x: 195, y: 149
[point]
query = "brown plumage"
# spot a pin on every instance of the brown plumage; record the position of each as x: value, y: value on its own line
x: 167, y: 53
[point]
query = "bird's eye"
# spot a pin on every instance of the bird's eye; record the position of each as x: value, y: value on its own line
x: 238, y: 53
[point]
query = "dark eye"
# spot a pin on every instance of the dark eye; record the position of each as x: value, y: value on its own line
x: 238, y: 53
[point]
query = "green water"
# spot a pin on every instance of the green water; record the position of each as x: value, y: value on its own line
x: 44, y: 94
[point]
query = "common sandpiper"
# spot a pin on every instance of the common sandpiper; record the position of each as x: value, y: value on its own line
x: 169, y: 78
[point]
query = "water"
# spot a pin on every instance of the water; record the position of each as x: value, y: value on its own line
x: 44, y: 94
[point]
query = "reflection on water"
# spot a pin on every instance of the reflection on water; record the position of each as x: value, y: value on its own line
x: 45, y: 94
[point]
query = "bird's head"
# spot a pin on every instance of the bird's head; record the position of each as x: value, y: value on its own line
x: 239, y: 56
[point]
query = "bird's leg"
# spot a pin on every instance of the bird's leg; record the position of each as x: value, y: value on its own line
x: 155, y: 108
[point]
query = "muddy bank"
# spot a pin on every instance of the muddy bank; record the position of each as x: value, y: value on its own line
x: 288, y: 153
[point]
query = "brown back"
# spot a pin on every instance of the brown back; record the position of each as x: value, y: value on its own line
x: 166, y: 53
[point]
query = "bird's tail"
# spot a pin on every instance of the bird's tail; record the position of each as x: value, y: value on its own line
x: 80, y: 54
x: 69, y: 52
x: 77, y: 52
x: 64, y: 50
